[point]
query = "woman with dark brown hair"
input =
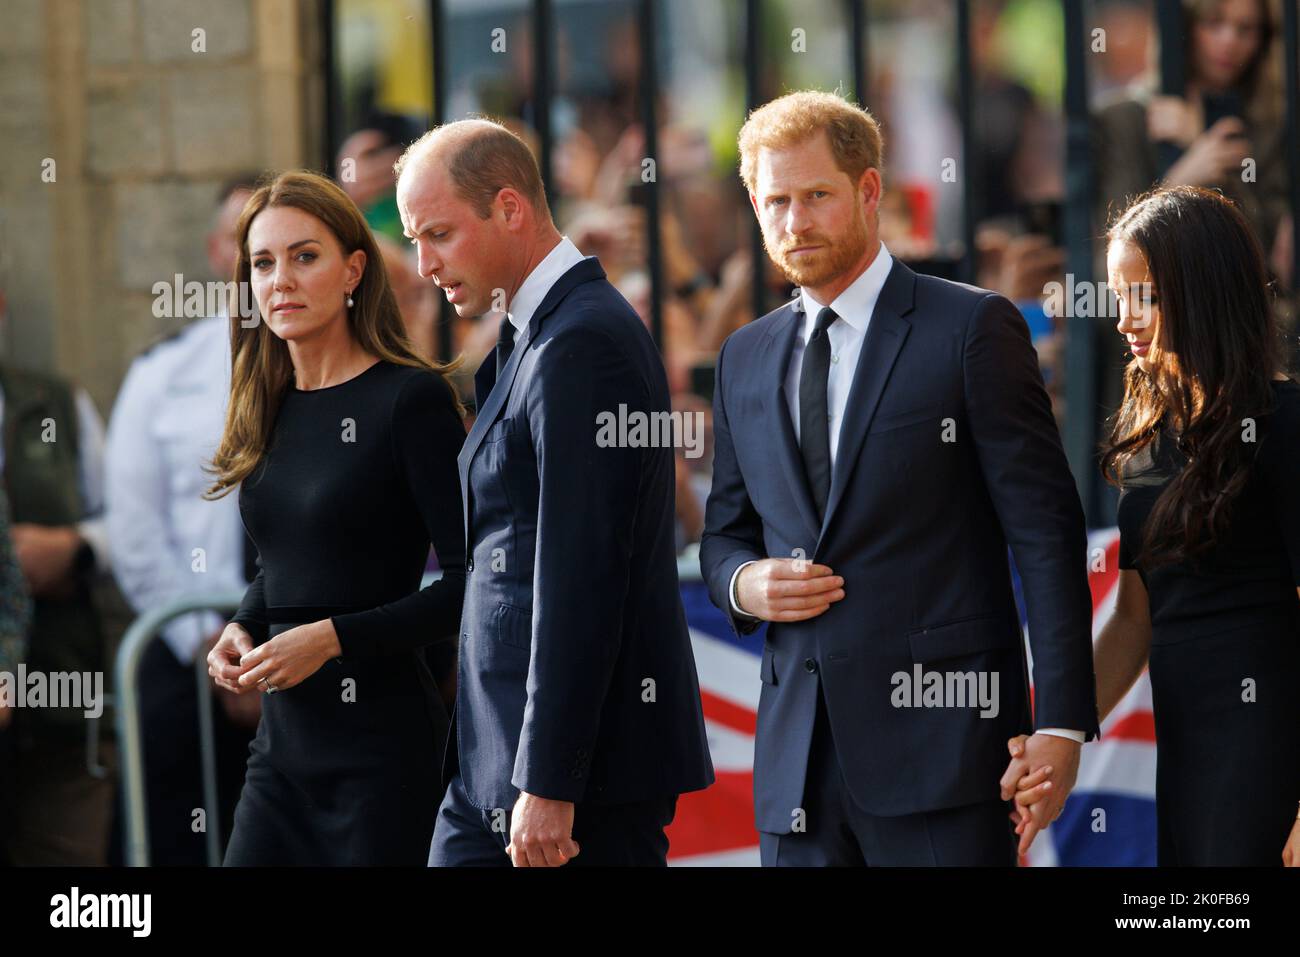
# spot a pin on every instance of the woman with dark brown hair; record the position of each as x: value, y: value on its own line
x: 1206, y: 452
x: 345, y: 442
x: 1230, y: 110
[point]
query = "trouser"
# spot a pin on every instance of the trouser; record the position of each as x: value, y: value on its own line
x: 839, y: 833
x: 58, y: 812
x: 626, y: 835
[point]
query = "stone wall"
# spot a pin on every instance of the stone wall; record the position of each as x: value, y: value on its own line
x: 141, y: 128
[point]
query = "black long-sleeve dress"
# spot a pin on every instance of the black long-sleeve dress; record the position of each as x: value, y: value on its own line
x: 358, y: 480
x: 1225, y: 657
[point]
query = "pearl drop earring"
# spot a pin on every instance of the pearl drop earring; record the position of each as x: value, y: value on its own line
x: 350, y: 300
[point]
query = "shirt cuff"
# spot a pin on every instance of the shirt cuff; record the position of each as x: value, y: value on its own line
x: 1078, y: 736
x: 731, y: 592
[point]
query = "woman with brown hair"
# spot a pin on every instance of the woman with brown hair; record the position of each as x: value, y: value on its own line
x: 1230, y: 110
x: 1206, y: 452
x: 343, y: 441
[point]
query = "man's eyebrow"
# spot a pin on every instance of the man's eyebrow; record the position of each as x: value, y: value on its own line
x: 433, y: 225
x: 292, y: 246
x: 785, y: 190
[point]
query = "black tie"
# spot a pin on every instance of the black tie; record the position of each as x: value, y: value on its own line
x: 814, y: 413
x: 505, y: 343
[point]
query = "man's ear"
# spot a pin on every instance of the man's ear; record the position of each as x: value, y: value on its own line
x: 511, y: 207
x: 871, y: 187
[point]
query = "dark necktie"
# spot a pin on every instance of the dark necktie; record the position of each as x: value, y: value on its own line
x: 505, y: 343
x: 814, y: 412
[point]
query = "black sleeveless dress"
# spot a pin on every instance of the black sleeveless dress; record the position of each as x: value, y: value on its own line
x: 358, y: 480
x: 1225, y: 657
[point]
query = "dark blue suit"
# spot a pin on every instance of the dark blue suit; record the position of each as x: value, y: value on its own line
x: 948, y: 453
x: 576, y: 679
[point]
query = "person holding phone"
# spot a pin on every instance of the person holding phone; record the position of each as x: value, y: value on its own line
x: 1228, y: 113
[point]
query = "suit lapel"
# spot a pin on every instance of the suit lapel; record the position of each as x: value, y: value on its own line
x: 776, y: 412
x: 886, y: 334
x: 493, y: 394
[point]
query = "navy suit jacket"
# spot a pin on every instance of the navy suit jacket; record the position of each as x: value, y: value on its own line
x: 576, y: 676
x: 948, y: 452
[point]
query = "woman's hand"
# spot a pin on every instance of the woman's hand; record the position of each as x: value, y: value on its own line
x: 1214, y: 157
x: 1291, y: 852
x: 223, y: 659
x: 290, y: 657
x: 1030, y: 788
x: 1172, y: 119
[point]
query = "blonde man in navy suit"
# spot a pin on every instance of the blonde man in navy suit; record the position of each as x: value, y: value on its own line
x: 879, y: 442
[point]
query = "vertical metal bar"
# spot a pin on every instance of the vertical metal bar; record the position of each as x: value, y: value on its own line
x: 753, y: 81
x: 1173, y: 69
x: 437, y: 59
x: 329, y: 39
x: 858, y: 53
x: 1081, y: 332
x: 1291, y: 43
x: 208, y: 757
x: 438, y: 33
x: 130, y: 730
x: 130, y: 738
x: 649, y: 83
x: 543, y: 85
x: 969, y: 148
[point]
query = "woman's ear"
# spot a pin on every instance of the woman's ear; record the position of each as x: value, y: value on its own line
x: 356, y: 267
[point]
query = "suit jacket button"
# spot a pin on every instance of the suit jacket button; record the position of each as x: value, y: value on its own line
x: 810, y: 665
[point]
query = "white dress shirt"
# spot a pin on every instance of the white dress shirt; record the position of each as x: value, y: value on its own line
x: 854, y: 308
x: 165, y: 426
x: 538, y: 283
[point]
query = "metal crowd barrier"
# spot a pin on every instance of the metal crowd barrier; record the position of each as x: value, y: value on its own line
x: 129, y: 732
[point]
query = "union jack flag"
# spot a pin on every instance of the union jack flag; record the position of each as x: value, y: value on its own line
x: 1108, y: 820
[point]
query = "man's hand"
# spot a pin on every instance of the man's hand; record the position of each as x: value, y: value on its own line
x: 46, y: 554
x: 787, y: 589
x: 541, y: 832
x: 1051, y: 765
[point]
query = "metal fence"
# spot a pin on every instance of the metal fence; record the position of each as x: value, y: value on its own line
x: 1083, y: 365
x: 130, y: 734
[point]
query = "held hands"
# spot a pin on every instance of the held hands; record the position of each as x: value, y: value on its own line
x: 787, y: 589
x: 1033, y: 790
x: 541, y: 832
x: 1040, y: 776
x: 286, y: 660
